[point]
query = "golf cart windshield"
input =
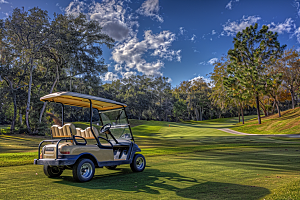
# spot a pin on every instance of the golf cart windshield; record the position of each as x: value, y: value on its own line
x: 119, y: 124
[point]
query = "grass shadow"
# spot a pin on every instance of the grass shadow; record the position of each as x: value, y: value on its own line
x: 153, y: 181
x: 217, y: 190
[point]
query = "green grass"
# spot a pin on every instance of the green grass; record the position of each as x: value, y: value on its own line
x: 288, y: 123
x: 4, y: 129
x: 190, y: 160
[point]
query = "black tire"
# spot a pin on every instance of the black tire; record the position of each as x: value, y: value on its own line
x: 111, y: 167
x: 52, y: 171
x: 83, y: 170
x: 138, y: 163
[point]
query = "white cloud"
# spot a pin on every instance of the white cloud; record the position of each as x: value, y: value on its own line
x: 169, y: 80
x: 181, y: 31
x: 3, y: 1
x: 231, y: 28
x: 193, y: 37
x: 229, y: 5
x: 207, y: 80
x: 212, y: 61
x: 297, y: 5
x: 75, y: 8
x: 129, y: 54
x: 128, y: 74
x: 297, y: 34
x: 213, y: 32
x: 280, y: 28
x: 109, y: 76
x: 111, y: 15
x: 150, y: 8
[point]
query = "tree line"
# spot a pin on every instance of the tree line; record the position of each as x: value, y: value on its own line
x: 258, y: 71
x: 40, y: 55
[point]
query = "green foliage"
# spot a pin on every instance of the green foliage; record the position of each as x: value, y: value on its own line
x: 39, y: 56
x: 253, y: 52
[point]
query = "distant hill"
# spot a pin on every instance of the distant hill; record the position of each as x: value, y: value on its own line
x: 288, y: 123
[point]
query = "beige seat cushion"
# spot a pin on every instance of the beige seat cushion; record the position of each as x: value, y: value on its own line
x: 87, y: 133
x: 66, y: 130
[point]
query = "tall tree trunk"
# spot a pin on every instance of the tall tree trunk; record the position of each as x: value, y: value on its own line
x: 292, y: 96
x: 239, y: 114
x: 242, y: 111
x: 45, y: 103
x: 278, y: 109
x: 257, y: 109
x: 273, y: 108
x: 201, y: 113
x: 264, y: 108
x: 28, y: 100
x: 14, y: 96
x: 20, y: 115
x: 196, y: 114
x: 12, y: 128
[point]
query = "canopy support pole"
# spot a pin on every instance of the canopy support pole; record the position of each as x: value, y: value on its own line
x: 128, y: 124
x: 91, y: 124
x: 62, y: 114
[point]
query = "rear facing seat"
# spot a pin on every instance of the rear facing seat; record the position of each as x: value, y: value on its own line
x: 65, y: 131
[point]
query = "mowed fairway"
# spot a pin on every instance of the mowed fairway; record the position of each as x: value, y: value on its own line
x: 184, y: 161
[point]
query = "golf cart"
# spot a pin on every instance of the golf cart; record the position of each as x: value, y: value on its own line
x: 113, y: 144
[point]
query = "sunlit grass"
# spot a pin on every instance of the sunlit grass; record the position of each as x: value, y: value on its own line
x: 288, y: 123
x: 191, y: 160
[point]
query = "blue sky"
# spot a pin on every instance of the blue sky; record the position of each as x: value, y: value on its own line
x: 179, y: 39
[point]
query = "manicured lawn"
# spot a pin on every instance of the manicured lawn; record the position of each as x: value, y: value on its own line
x: 288, y: 123
x: 193, y: 160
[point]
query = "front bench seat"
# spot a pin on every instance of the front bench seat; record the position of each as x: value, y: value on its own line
x: 87, y: 133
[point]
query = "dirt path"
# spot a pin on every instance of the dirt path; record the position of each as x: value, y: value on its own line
x: 240, y: 133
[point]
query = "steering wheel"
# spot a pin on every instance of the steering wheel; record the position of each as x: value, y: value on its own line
x: 105, y: 128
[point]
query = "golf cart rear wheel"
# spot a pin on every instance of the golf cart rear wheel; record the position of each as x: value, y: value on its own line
x: 111, y: 167
x: 83, y: 170
x: 138, y: 163
x: 52, y: 171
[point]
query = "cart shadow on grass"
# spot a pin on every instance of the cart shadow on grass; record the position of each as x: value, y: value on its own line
x: 153, y: 180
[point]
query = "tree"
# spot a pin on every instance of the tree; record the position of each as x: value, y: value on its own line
x: 27, y: 33
x: 76, y: 45
x: 289, y: 66
x: 253, y: 51
x: 219, y: 95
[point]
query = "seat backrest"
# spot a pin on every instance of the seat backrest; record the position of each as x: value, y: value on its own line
x: 66, y: 130
x: 70, y: 129
x: 87, y: 133
x: 54, y: 131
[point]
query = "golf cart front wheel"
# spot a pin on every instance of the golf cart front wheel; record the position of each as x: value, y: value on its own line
x: 138, y: 163
x: 83, y: 170
x: 52, y: 171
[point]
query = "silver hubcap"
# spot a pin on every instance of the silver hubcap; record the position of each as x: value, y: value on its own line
x: 86, y: 170
x: 139, y: 163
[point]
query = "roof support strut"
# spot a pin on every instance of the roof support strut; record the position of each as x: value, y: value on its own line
x: 91, y: 124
